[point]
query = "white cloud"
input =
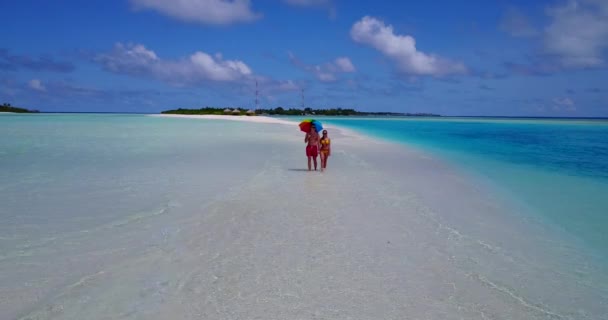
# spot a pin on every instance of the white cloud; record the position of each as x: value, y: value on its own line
x: 344, y: 64
x: 326, y: 72
x: 578, y: 33
x: 135, y: 59
x: 37, y: 85
x: 216, y: 12
x: 402, y: 49
x: 325, y: 77
x: 218, y: 69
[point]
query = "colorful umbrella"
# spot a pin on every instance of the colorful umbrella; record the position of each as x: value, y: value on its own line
x: 308, y: 123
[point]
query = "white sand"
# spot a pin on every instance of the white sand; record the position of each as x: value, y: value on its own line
x: 248, y: 233
x: 254, y: 119
x: 267, y: 120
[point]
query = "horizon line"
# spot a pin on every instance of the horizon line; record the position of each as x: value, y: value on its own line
x: 440, y: 116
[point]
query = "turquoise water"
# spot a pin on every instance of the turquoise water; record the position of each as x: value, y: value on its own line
x: 65, y: 173
x: 123, y: 216
x: 558, y: 168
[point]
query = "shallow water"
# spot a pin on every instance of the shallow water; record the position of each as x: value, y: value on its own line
x: 559, y: 168
x: 84, y: 192
x: 136, y: 217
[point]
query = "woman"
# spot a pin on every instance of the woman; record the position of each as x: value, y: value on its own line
x: 325, y: 149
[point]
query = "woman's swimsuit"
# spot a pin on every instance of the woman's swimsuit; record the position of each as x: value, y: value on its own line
x: 325, y: 146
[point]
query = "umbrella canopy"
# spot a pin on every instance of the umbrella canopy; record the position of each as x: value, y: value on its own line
x: 307, y: 124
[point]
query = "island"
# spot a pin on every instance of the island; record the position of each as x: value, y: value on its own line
x: 291, y: 112
x: 6, y: 107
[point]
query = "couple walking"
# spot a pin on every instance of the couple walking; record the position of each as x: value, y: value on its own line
x: 317, y: 146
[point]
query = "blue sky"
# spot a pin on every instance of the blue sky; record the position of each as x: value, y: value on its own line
x: 530, y: 58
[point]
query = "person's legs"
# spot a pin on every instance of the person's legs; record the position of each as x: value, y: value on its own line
x: 312, y: 152
x: 322, y: 156
x: 308, y: 155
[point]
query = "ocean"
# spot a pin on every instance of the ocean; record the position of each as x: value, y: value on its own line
x: 558, y: 168
x: 114, y: 216
x: 84, y: 194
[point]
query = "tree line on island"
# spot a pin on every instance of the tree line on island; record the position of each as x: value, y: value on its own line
x: 6, y: 107
x: 290, y: 112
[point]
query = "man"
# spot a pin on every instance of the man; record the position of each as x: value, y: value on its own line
x: 312, y: 147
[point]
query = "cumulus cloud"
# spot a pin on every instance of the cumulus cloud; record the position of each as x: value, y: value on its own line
x: 215, y: 12
x: 576, y: 36
x: 578, y: 33
x: 402, y: 49
x: 136, y: 59
x: 37, y: 85
x: 344, y: 64
x: 326, y: 72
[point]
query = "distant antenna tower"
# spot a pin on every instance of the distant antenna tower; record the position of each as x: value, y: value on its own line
x: 256, y: 95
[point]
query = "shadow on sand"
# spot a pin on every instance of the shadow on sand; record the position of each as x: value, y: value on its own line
x: 298, y: 169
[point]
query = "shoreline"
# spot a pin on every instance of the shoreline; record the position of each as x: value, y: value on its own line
x: 340, y: 131
x: 410, y: 149
x: 245, y: 232
x: 253, y: 119
x: 516, y: 207
x: 414, y: 189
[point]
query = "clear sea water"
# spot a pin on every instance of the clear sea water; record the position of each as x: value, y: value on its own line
x: 557, y: 167
x: 124, y: 216
x: 88, y: 200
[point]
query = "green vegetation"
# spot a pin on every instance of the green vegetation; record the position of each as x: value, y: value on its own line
x: 206, y: 110
x: 293, y: 112
x: 6, y: 107
x: 335, y: 112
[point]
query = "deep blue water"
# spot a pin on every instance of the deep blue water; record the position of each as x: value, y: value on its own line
x: 558, y: 168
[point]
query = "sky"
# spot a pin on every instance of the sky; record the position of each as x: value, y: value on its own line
x: 479, y: 57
